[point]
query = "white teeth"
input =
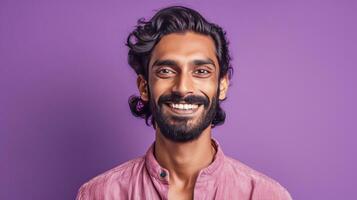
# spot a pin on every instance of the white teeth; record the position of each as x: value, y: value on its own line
x: 184, y: 106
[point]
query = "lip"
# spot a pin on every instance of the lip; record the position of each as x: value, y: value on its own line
x: 179, y: 112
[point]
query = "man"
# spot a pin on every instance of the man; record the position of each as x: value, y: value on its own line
x: 183, y: 68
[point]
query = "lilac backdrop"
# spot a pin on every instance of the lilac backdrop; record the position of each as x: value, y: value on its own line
x: 64, y: 83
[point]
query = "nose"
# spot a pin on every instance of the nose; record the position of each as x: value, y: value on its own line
x: 183, y: 85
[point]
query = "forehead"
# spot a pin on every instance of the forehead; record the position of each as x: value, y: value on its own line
x: 184, y: 47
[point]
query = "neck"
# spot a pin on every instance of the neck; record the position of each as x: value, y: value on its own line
x: 184, y: 160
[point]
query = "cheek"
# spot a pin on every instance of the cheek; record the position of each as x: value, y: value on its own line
x: 157, y: 88
x: 207, y: 86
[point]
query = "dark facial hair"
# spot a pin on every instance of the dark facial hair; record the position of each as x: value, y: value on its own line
x: 181, y: 130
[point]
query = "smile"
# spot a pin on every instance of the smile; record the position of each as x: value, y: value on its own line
x: 182, y: 106
x: 183, y: 109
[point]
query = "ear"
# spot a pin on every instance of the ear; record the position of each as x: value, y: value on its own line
x: 223, y: 87
x: 143, y: 88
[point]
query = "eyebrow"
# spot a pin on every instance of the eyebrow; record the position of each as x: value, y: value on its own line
x: 173, y: 63
x: 164, y: 63
x: 206, y: 61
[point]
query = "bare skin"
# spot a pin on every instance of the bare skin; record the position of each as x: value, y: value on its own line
x: 184, y: 161
x: 192, y: 69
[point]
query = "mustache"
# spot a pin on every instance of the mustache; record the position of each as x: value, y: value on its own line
x: 191, y: 99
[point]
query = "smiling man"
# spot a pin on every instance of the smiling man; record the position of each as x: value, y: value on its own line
x: 183, y: 68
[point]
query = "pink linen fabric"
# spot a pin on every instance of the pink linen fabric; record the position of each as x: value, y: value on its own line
x: 143, y: 178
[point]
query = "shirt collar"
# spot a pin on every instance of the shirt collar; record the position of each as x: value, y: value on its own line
x: 162, y: 174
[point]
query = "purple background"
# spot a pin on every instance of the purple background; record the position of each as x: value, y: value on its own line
x: 64, y: 84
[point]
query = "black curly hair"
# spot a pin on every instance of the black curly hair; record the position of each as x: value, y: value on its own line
x: 173, y: 19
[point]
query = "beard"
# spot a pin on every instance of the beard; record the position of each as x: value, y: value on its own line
x: 181, y: 128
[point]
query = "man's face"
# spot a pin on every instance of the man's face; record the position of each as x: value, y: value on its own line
x: 183, y: 85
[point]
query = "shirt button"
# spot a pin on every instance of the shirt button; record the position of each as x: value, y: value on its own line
x: 163, y: 174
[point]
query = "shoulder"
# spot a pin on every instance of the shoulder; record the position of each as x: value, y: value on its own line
x: 262, y: 186
x: 111, y: 181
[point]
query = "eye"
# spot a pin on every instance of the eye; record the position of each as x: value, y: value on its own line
x: 201, y: 71
x: 164, y: 71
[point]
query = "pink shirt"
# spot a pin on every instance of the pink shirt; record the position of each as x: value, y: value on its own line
x: 143, y: 178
